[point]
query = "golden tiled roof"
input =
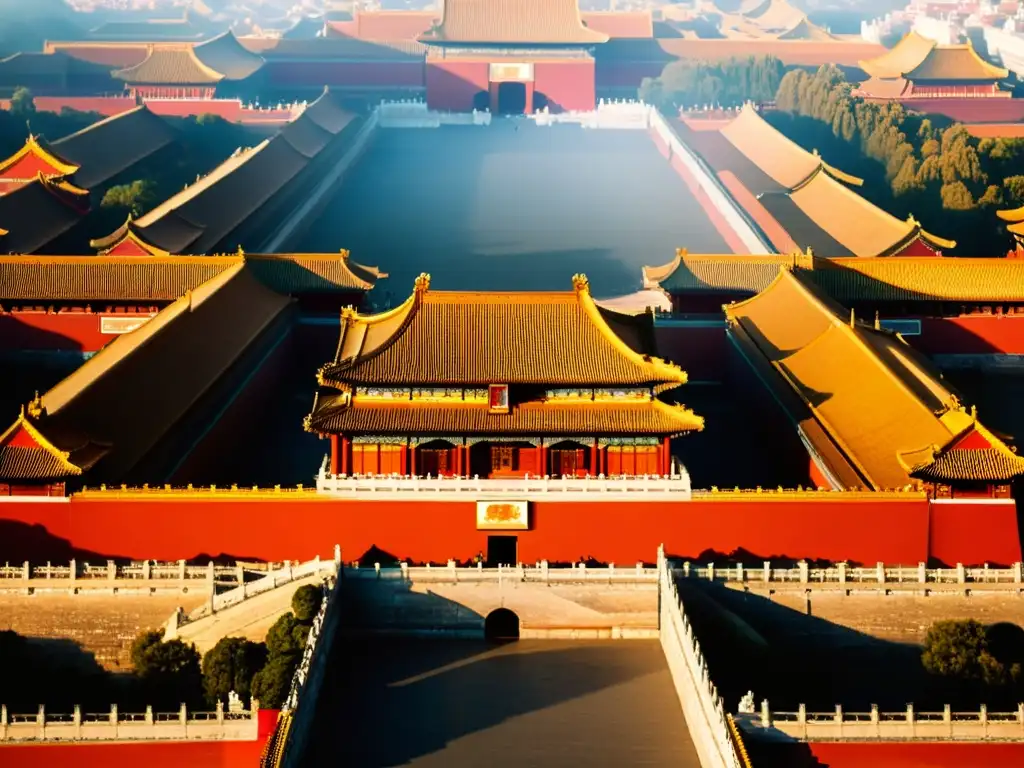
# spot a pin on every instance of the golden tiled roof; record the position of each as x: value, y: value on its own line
x: 990, y: 460
x: 438, y: 337
x: 549, y: 22
x: 857, y: 224
x: 26, y: 455
x: 106, y: 278
x: 847, y: 280
x: 313, y: 272
x: 954, y: 62
x: 335, y: 415
x: 170, y: 65
x: 693, y: 273
x: 785, y: 161
x: 921, y: 278
x: 874, y: 396
x: 902, y: 57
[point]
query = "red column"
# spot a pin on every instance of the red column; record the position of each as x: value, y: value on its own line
x: 335, y: 458
x: 542, y: 460
x: 593, y: 458
x: 464, y: 450
x: 528, y: 108
x: 412, y: 459
x: 457, y: 460
x: 666, y: 457
x: 345, y: 454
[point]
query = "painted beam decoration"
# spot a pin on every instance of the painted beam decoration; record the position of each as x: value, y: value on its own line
x: 502, y: 515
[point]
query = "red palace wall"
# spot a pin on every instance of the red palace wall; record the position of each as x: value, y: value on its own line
x: 398, y: 74
x: 909, y: 755
x: 77, y: 331
x: 208, y: 754
x: 170, y: 527
x: 568, y: 85
x: 971, y: 335
x: 453, y: 85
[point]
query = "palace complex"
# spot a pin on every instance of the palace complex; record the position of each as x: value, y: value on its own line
x: 829, y: 400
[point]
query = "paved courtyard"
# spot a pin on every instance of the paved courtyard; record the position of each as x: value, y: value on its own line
x: 433, y: 703
x: 512, y: 206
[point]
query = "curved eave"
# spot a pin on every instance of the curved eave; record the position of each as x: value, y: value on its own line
x: 33, y: 147
x: 1015, y: 214
x: 654, y: 275
x: 62, y: 457
x: 663, y: 375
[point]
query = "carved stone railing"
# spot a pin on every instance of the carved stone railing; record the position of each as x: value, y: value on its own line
x: 843, y: 574
x: 541, y: 573
x: 300, y: 707
x: 600, y: 488
x: 114, y: 726
x: 898, y: 726
x: 704, y: 709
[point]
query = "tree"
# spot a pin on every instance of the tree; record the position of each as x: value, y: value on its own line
x: 22, y: 103
x: 170, y: 670
x: 287, y: 636
x: 272, y: 684
x: 306, y: 603
x: 956, y: 197
x: 688, y: 83
x: 959, y: 649
x: 132, y: 196
x: 230, y: 666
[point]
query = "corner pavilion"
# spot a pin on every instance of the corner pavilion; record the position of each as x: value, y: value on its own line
x: 498, y: 385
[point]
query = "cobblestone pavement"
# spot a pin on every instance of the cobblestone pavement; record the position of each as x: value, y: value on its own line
x: 427, y: 703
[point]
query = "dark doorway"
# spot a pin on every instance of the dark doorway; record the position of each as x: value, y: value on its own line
x: 501, y: 625
x: 511, y: 98
x: 501, y: 550
x: 482, y: 101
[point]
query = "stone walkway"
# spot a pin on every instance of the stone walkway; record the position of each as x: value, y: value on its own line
x: 433, y: 703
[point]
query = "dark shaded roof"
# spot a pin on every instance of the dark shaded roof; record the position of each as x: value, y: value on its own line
x: 178, y: 355
x: 306, y: 136
x: 198, y: 218
x: 456, y: 338
x: 226, y: 55
x: 108, y: 147
x: 38, y: 213
x: 548, y: 22
x: 328, y: 113
x: 298, y: 273
x: 106, y: 278
x: 110, y: 56
x: 337, y: 415
x: 37, y: 64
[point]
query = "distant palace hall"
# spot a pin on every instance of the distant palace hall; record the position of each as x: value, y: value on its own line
x: 498, y: 385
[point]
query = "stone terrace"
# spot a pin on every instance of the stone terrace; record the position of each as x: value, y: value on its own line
x: 102, y: 625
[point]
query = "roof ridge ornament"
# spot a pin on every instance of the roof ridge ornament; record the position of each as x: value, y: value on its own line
x: 422, y: 283
x: 35, y: 407
x: 344, y: 253
x: 581, y: 283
